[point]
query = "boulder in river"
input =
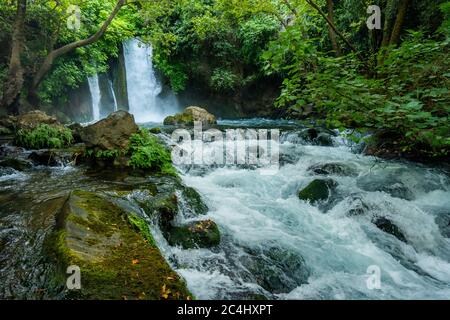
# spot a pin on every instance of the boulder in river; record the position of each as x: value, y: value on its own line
x: 388, y: 226
x: 198, y: 234
x: 114, y: 250
x: 189, y: 116
x: 112, y: 133
x: 318, y: 190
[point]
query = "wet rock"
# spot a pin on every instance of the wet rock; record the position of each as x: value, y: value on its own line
x: 334, y: 168
x: 277, y: 270
x: 76, y: 129
x: 44, y: 158
x: 199, y: 234
x: 115, y: 253
x: 309, y: 134
x: 358, y: 207
x: 318, y: 190
x: 190, y: 115
x: 443, y: 221
x: 112, y: 133
x: 387, y: 226
x: 194, y: 201
x: 390, y: 185
x: 16, y: 164
x: 324, y: 139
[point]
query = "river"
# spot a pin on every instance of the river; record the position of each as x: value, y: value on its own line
x: 273, y: 245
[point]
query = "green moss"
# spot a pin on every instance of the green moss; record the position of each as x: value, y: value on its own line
x: 195, y: 201
x: 116, y: 262
x: 155, y: 130
x: 44, y: 136
x: 142, y: 226
x: 201, y: 234
x: 317, y: 190
x: 179, y: 119
x: 147, y: 153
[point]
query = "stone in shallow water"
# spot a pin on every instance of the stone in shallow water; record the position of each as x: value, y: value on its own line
x: 318, y: 190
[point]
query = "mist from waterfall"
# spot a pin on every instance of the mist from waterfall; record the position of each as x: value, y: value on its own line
x: 94, y: 88
x: 144, y: 89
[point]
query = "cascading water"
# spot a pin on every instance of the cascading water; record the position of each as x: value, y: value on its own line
x: 95, y: 94
x: 113, y: 95
x: 143, y: 86
x: 273, y: 244
x: 276, y: 245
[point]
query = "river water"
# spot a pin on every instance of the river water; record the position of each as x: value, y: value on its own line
x: 273, y: 244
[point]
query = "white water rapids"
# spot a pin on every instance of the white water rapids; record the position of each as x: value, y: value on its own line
x: 270, y: 236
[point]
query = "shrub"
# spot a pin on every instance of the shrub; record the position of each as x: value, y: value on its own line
x: 44, y: 136
x: 148, y: 153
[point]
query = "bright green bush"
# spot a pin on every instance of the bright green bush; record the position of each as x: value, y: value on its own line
x: 148, y: 153
x: 44, y: 136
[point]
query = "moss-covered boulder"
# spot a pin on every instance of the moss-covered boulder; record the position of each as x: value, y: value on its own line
x: 198, y: 234
x: 318, y: 190
x: 114, y: 251
x: 189, y: 116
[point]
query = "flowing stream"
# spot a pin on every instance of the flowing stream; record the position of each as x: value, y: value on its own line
x: 273, y: 244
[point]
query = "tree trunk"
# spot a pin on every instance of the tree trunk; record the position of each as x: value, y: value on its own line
x: 395, y: 36
x: 387, y: 28
x: 15, y: 79
x: 55, y: 54
x: 331, y: 25
x: 334, y: 43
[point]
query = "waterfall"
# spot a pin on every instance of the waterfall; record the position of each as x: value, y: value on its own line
x: 95, y: 94
x: 144, y: 89
x: 113, y: 95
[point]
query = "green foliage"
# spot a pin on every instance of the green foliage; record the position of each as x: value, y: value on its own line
x: 223, y: 80
x: 148, y: 153
x: 44, y: 136
x: 214, y: 43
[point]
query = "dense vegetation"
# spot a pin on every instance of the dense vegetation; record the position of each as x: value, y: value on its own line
x: 392, y: 81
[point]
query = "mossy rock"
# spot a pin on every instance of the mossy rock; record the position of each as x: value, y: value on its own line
x: 16, y: 164
x: 155, y: 130
x: 115, y: 251
x: 318, y: 190
x: 179, y: 119
x: 194, y: 201
x: 199, y: 234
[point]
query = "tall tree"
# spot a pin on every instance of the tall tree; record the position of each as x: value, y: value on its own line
x: 395, y: 36
x: 332, y: 33
x: 55, y: 54
x: 15, y: 79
